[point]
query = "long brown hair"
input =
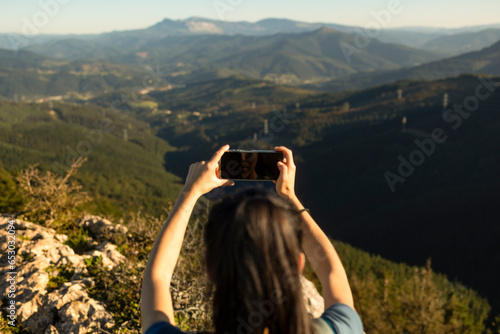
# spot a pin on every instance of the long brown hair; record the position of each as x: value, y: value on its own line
x: 253, y: 244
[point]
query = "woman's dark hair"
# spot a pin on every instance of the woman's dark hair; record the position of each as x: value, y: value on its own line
x: 253, y: 244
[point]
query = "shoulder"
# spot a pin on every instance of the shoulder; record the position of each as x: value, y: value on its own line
x: 163, y: 327
x: 343, y: 319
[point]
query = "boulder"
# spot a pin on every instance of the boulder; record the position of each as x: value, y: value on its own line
x: 100, y: 226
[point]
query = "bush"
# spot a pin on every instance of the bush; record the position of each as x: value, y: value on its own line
x: 119, y: 289
x: 51, y: 198
x: 58, y: 276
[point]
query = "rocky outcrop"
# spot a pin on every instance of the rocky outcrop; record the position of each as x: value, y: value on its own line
x: 41, y: 257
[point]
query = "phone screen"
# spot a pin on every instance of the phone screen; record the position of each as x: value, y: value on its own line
x: 250, y: 165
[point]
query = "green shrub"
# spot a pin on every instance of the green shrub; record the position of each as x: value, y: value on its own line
x: 58, y: 276
x: 119, y: 289
x: 5, y: 328
x: 78, y: 240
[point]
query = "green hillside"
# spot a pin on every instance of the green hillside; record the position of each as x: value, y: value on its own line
x: 74, y: 48
x: 123, y: 175
x: 29, y: 76
x: 486, y: 61
x: 230, y: 94
x: 461, y: 43
x: 21, y: 59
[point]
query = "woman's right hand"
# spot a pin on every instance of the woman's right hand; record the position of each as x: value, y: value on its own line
x: 202, y: 176
x: 285, y: 185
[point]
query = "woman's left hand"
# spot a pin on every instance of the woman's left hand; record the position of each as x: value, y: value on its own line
x: 202, y: 176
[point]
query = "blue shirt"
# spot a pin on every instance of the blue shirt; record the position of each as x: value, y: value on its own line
x: 341, y: 318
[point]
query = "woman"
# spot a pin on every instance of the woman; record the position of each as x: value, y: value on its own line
x: 254, y: 259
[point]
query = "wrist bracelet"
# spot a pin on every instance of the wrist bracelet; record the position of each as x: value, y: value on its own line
x: 302, y: 210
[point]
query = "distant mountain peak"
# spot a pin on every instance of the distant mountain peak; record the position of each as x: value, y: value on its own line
x: 165, y: 20
x: 164, y: 23
x: 203, y: 26
x: 269, y: 20
x: 199, y: 18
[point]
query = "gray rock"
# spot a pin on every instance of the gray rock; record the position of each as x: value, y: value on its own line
x: 315, y: 304
x: 83, y: 315
x: 110, y: 256
x: 70, y: 291
x: 101, y: 227
x: 62, y: 237
x: 33, y: 314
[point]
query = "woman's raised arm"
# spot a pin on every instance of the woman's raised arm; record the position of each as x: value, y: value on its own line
x: 318, y: 248
x: 156, y: 301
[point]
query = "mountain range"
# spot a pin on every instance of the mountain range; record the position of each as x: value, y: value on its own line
x: 486, y: 61
x: 409, y: 36
x: 316, y: 55
x: 320, y: 56
x: 319, y: 59
x: 59, y: 67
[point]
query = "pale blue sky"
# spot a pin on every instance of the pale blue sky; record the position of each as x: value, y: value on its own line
x: 94, y: 16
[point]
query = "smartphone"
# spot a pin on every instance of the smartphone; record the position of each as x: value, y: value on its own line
x: 250, y: 165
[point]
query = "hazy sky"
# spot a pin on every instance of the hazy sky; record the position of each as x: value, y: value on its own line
x: 94, y: 16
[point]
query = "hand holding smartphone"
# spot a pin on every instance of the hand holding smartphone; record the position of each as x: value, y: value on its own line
x: 250, y: 165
